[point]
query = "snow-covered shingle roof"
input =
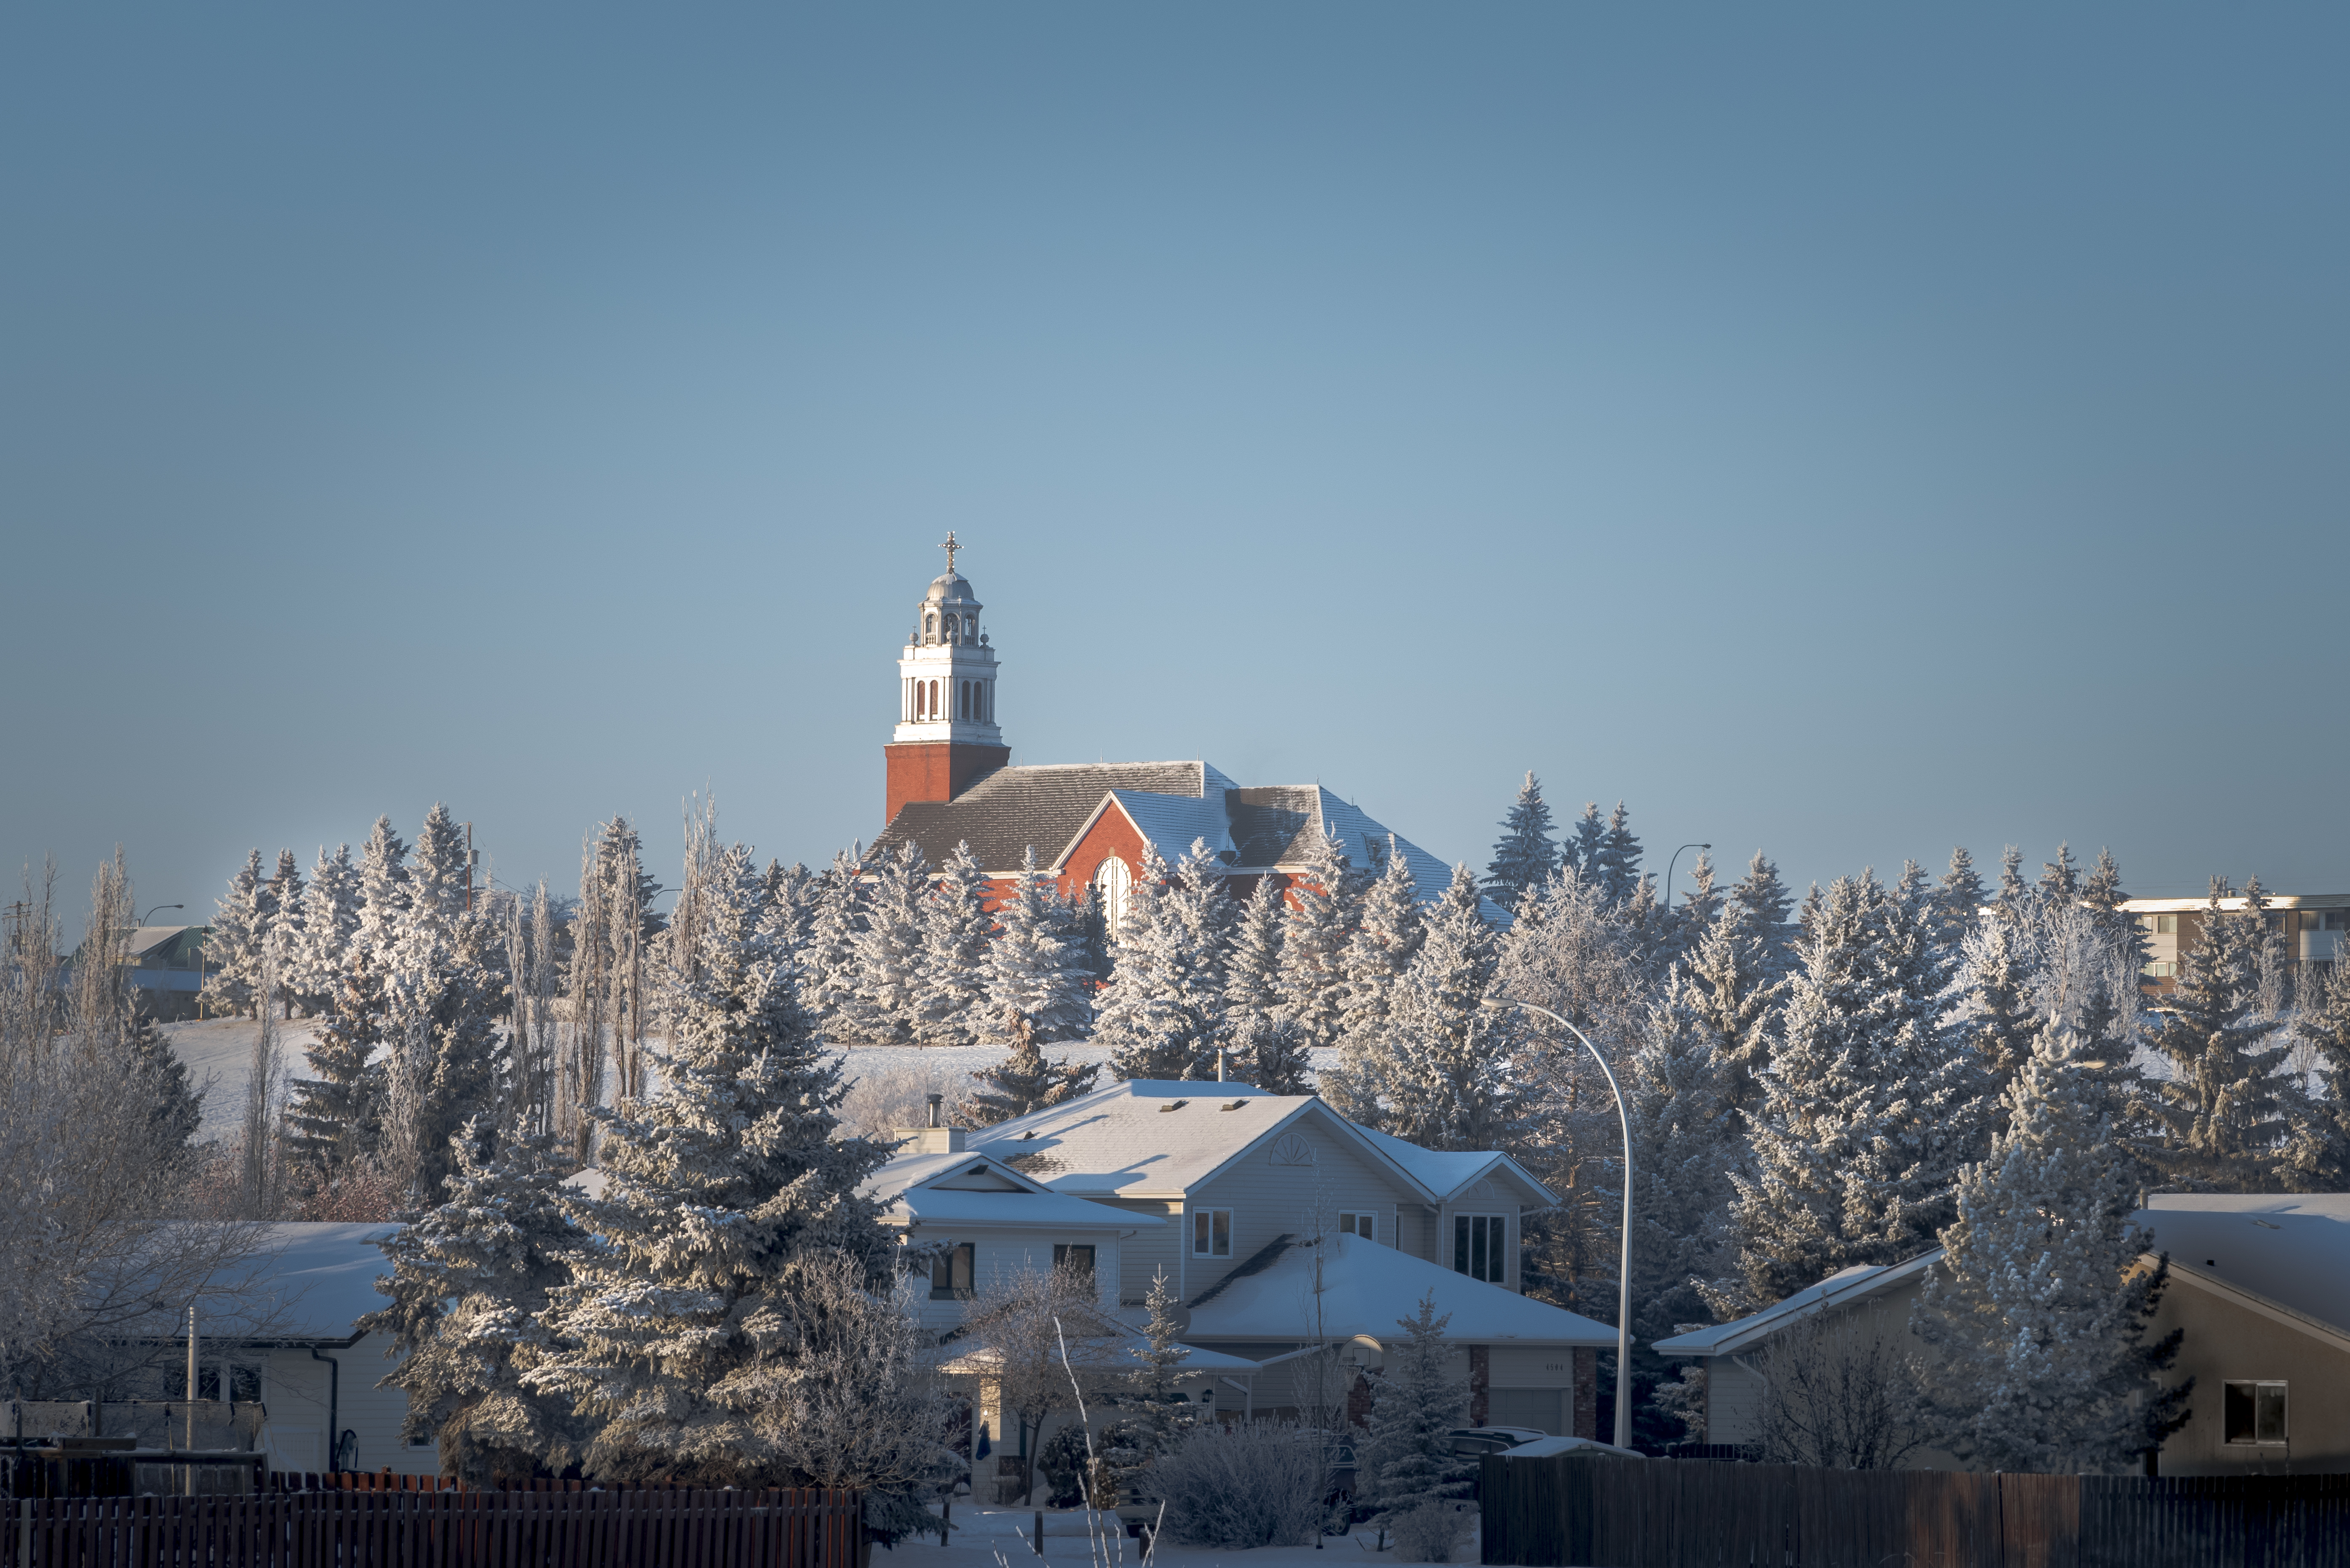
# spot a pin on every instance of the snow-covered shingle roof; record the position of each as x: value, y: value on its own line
x: 311, y: 1282
x: 1364, y: 1289
x: 1839, y: 1289
x: 1014, y: 809
x: 2292, y: 1247
x: 1450, y: 1173
x: 937, y: 1208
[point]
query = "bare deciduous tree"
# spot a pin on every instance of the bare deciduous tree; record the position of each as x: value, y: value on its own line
x: 1836, y: 1392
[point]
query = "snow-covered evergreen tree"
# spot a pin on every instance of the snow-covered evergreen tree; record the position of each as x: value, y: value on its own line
x: 791, y: 893
x: 1037, y: 985
x: 383, y: 889
x: 1159, y: 1413
x: 951, y: 1002
x: 1525, y: 855
x: 2012, y: 885
x: 1387, y: 936
x: 1252, y: 959
x: 1438, y: 1073
x: 665, y: 1329
x: 2221, y: 1110
x: 2034, y: 1326
x: 1615, y: 864
x: 1869, y: 1110
x: 282, y: 944
x: 1160, y: 1013
x: 330, y: 918
x: 234, y: 949
x: 1992, y: 1010
x: 1320, y: 920
x: 1407, y: 1459
x: 2318, y: 1158
x: 470, y: 1285
x: 1685, y: 1140
x: 335, y: 1116
x: 2060, y: 880
x: 1963, y: 896
x: 1585, y: 852
x: 888, y: 952
x: 1767, y: 900
x: 1024, y: 1081
x: 1732, y: 990
x: 828, y: 962
x: 1203, y: 911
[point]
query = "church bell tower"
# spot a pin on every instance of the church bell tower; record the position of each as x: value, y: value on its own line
x: 946, y: 738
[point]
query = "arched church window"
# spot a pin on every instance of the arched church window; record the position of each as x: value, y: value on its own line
x: 1112, y: 882
x: 935, y: 699
x: 929, y: 626
x: 962, y: 699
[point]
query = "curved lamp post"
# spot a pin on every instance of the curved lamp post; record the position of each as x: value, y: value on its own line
x: 150, y: 914
x: 1669, y: 873
x: 1624, y: 1270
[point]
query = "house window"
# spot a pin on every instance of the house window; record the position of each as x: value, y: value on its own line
x: 951, y: 1274
x: 1481, y: 1246
x: 1365, y: 1225
x: 1111, y: 881
x: 2161, y: 971
x: 2166, y: 925
x: 1211, y: 1232
x: 1077, y: 1259
x: 2254, y: 1412
x: 244, y: 1383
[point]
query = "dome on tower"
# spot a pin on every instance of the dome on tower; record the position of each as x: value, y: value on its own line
x: 949, y: 590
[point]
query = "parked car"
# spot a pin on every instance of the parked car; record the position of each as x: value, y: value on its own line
x: 1472, y: 1442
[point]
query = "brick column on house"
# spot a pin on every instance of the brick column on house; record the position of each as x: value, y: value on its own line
x: 1359, y: 1401
x: 1481, y: 1384
x: 1586, y: 1393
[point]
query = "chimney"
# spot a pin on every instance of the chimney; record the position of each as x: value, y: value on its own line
x: 936, y: 1099
x: 936, y: 1138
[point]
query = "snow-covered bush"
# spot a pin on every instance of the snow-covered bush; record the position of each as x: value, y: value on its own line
x: 1251, y: 1484
x: 1429, y: 1532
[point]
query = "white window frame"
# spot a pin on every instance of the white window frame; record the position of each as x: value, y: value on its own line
x: 1352, y: 1220
x: 1464, y: 1260
x: 1112, y: 880
x: 1203, y: 1232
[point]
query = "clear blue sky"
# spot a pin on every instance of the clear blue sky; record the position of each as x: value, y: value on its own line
x: 1848, y: 430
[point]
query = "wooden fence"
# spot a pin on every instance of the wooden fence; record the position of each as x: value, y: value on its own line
x: 637, y: 1529
x: 1676, y: 1513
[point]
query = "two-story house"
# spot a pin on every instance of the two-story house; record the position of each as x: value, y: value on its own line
x: 1293, y: 1238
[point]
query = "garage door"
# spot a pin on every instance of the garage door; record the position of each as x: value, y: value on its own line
x: 1537, y: 1407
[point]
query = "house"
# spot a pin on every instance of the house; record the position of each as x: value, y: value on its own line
x: 291, y: 1344
x: 2258, y: 1283
x: 1293, y: 1238
x: 950, y: 781
x: 2312, y: 924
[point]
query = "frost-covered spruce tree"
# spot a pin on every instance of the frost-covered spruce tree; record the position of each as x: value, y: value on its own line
x: 234, y: 949
x: 335, y: 1116
x: 2220, y: 1112
x: 1992, y: 1010
x: 1767, y: 900
x: 1584, y: 852
x: 2012, y: 885
x: 1408, y: 1461
x: 2102, y: 895
x: 665, y: 1327
x: 282, y: 945
x: 1732, y: 990
x: 1252, y: 960
x: 1159, y: 1013
x: 887, y: 953
x: 828, y: 962
x: 1158, y: 1413
x: 791, y: 899
x: 2060, y: 880
x: 1387, y: 936
x: 331, y: 917
x: 2034, y: 1328
x: 1323, y: 906
x: 1615, y: 864
x: 952, y: 993
x: 1024, y: 1081
x: 1525, y: 855
x: 1435, y: 1076
x: 1685, y: 1141
x: 1963, y: 896
x: 383, y: 889
x: 470, y: 1285
x: 1037, y: 985
x: 1869, y: 1110
x: 2318, y: 1158
x: 445, y: 987
x: 1197, y: 901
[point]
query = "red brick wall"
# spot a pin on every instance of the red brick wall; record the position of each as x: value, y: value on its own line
x: 1481, y: 1384
x: 936, y: 770
x: 1111, y: 833
x: 1586, y: 1393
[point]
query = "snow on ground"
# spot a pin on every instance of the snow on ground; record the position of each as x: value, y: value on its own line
x: 219, y: 1052
x: 981, y: 1536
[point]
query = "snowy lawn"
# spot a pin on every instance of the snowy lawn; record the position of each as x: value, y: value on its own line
x: 980, y: 1534
x: 219, y: 1052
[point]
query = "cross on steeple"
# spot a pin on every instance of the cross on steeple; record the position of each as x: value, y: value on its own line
x: 951, y: 547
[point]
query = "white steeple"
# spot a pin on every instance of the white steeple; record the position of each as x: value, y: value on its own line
x: 946, y: 672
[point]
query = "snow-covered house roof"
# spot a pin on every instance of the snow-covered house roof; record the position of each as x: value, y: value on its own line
x: 310, y: 1284
x: 1449, y: 1173
x: 1157, y: 1138
x: 1169, y: 804
x: 2293, y: 1249
x: 968, y: 1188
x: 1364, y: 1290
x: 1842, y: 1288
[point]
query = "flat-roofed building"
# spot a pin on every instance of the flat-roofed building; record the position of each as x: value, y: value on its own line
x: 2312, y: 924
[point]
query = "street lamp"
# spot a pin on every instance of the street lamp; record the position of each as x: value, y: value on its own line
x: 1669, y: 873
x: 1624, y: 1270
x: 143, y: 919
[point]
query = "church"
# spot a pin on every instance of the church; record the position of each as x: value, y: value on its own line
x: 1090, y: 824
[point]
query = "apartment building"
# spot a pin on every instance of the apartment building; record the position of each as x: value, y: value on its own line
x: 2312, y: 924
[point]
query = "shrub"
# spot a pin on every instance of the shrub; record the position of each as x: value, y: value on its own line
x: 1247, y: 1485
x: 1428, y: 1533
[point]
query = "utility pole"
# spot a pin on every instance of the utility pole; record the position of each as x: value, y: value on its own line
x: 468, y: 867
